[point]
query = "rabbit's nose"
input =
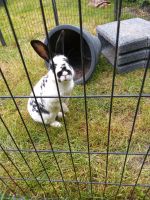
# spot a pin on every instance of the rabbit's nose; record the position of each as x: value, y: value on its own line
x: 65, y: 73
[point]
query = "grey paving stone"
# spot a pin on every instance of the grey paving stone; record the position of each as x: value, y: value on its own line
x: 134, y: 34
x: 132, y: 66
x: 109, y: 53
x: 126, y: 67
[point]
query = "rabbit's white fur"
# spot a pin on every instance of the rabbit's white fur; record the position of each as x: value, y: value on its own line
x: 50, y: 107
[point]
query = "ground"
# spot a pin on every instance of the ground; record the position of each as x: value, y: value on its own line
x: 98, y: 116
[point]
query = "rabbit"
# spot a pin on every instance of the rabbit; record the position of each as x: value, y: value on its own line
x: 50, y: 107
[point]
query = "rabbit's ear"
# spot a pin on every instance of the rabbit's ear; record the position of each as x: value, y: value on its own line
x: 41, y: 49
x: 59, y: 48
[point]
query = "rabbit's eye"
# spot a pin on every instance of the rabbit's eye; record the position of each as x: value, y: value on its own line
x: 65, y: 59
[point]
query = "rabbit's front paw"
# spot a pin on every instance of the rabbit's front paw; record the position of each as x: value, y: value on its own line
x: 56, y: 124
x: 65, y: 108
x: 60, y: 115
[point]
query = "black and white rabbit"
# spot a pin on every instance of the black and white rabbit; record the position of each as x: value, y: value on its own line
x: 50, y: 107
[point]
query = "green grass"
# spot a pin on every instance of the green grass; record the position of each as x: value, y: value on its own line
x: 98, y: 114
x: 29, y: 23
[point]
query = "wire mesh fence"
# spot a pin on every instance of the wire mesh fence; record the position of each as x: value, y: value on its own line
x: 102, y: 151
x: 26, y: 15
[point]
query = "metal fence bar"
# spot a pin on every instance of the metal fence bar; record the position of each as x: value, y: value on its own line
x: 115, y: 10
x: 78, y: 152
x: 134, y: 120
x: 55, y: 12
x: 16, y: 169
x: 145, y: 157
x: 23, y: 192
x: 25, y: 126
x: 21, y: 55
x: 112, y: 89
x: 84, y: 182
x: 60, y: 101
x: 1, y: 179
x: 18, y: 149
x: 146, y: 194
x: 118, y: 4
x: 82, y: 97
x: 25, y: 68
x: 2, y: 39
x: 84, y: 90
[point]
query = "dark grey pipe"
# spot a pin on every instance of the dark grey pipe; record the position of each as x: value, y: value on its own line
x: 91, y: 49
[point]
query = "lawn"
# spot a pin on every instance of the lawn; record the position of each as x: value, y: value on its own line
x: 28, y: 25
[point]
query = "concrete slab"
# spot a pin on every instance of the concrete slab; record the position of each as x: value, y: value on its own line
x: 134, y: 34
x: 132, y: 66
x: 123, y: 59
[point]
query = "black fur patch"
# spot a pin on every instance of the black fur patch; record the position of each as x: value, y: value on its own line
x: 43, y: 110
x: 59, y: 74
x: 44, y: 81
x: 41, y: 107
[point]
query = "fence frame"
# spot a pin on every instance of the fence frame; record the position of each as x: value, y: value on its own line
x: 85, y: 97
